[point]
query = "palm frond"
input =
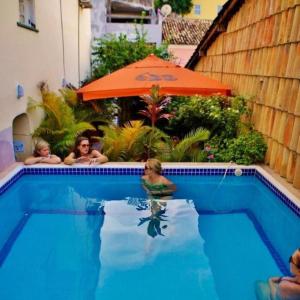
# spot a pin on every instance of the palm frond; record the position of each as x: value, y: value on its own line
x: 182, y: 148
x: 70, y: 96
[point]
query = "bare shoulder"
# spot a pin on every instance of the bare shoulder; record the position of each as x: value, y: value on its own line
x: 164, y: 180
x: 101, y: 158
x: 95, y: 153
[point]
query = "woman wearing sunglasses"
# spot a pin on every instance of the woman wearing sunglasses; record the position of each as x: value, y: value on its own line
x: 283, y: 288
x: 82, y: 153
x: 156, y: 185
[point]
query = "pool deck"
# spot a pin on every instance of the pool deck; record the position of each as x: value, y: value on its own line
x: 273, y: 177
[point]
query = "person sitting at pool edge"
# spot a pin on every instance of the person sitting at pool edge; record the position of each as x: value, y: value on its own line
x: 156, y: 185
x: 282, y: 288
x: 83, y: 154
x: 41, y: 154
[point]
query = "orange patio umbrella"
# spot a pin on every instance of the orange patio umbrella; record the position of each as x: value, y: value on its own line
x: 138, y: 78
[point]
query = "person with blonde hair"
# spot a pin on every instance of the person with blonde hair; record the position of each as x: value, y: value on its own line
x: 155, y: 184
x: 41, y: 154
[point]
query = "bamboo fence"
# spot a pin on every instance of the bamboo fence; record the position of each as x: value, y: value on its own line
x: 259, y: 56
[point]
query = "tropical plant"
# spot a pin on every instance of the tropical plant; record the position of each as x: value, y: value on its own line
x: 90, y: 111
x: 59, y: 126
x: 155, y: 104
x: 180, y: 7
x: 188, y: 149
x: 131, y: 141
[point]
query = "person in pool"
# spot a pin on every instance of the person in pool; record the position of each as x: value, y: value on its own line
x: 41, y: 154
x: 283, y: 288
x: 84, y: 154
x: 156, y: 185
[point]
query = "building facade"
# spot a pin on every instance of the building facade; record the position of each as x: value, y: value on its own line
x: 205, y: 9
x: 124, y: 17
x: 40, y: 41
x: 254, y: 47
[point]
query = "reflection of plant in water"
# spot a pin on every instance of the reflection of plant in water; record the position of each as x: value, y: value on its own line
x: 139, y: 203
x: 157, y: 215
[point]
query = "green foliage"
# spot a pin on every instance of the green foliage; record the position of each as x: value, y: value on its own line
x: 131, y: 142
x: 232, y: 137
x: 247, y: 149
x: 89, y: 111
x: 218, y: 114
x: 59, y: 126
x: 113, y: 52
x: 180, y: 7
x: 188, y: 149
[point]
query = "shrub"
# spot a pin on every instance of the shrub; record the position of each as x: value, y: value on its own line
x: 247, y: 149
x: 220, y: 115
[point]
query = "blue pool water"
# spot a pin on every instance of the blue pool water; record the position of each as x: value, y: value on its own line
x: 57, y: 241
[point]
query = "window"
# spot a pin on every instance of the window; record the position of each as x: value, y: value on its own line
x: 26, y: 13
x: 197, y: 9
x: 219, y: 7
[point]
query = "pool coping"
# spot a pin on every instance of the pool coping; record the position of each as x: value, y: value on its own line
x: 134, y: 168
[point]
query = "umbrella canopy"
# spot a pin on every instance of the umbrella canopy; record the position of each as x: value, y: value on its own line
x: 138, y: 78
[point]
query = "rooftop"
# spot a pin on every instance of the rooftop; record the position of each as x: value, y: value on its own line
x: 179, y: 31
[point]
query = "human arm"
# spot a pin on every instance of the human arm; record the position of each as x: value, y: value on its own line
x: 51, y: 159
x: 98, y: 158
x: 70, y: 159
x: 32, y: 160
x: 285, y: 287
x: 170, y: 186
x: 143, y: 181
x: 273, y: 285
x: 289, y: 289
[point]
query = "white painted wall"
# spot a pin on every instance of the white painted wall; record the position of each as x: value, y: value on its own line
x: 28, y: 57
x: 153, y: 31
x: 100, y: 27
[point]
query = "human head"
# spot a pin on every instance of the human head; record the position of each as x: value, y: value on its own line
x: 154, y: 165
x: 82, y: 146
x: 295, y: 262
x: 41, y: 148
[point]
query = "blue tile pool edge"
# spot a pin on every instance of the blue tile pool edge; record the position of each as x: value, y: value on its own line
x: 139, y: 172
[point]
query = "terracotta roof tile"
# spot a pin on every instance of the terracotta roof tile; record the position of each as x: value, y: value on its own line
x: 179, y: 31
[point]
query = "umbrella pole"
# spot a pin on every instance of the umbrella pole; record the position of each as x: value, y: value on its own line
x: 124, y: 114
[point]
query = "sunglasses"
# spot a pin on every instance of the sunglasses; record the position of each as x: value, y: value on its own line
x: 84, y: 145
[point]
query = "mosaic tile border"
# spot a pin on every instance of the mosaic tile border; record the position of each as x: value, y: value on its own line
x: 134, y: 171
x: 278, y: 193
x: 11, y: 181
x: 140, y: 171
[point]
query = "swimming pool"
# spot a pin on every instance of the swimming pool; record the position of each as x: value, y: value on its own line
x: 87, y: 233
